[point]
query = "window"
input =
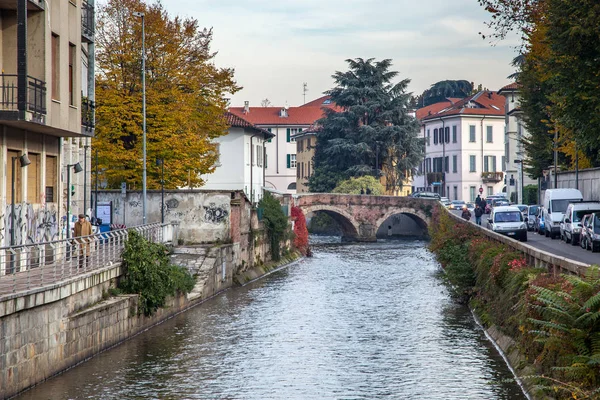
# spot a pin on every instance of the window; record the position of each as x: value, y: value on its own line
x: 489, y: 134
x: 292, y: 186
x: 50, y: 178
x: 428, y: 138
x: 454, y: 135
x: 447, y: 164
x: 490, y: 190
x: 454, y: 164
x: 503, y: 163
x: 472, y: 133
x: 441, y: 132
x: 290, y: 132
x: 18, y: 178
x: 506, y: 151
x: 55, y: 67
x: 34, y: 178
x: 427, y: 165
x: 447, y: 134
x: 259, y: 156
x: 291, y: 161
x: 300, y: 145
x: 489, y: 164
x: 472, y: 193
x: 455, y: 192
x: 71, y: 73
x: 435, y: 136
x: 472, y: 167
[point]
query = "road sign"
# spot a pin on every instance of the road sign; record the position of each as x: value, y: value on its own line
x: 480, y: 190
x: 436, y: 183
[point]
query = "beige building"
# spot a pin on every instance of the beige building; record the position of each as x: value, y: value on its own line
x: 306, y: 142
x: 46, y: 116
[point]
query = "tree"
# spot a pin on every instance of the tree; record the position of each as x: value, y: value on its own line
x: 373, y: 123
x: 360, y: 185
x: 185, y: 95
x: 440, y: 91
x: 265, y: 102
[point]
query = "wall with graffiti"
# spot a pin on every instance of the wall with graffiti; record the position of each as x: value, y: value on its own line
x: 34, y: 223
x: 203, y: 216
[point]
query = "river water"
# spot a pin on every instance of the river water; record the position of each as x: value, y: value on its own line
x: 358, y: 321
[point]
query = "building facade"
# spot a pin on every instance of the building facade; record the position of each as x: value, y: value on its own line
x: 285, y: 123
x: 306, y: 143
x: 464, y: 148
x: 46, y: 116
x: 514, y: 153
x: 241, y: 162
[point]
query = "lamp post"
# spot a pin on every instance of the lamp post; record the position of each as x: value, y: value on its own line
x: 77, y: 169
x: 24, y: 161
x: 161, y: 162
x: 142, y: 15
x: 520, y: 193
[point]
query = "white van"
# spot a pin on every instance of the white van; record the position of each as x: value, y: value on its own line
x: 556, y: 202
x: 570, y: 230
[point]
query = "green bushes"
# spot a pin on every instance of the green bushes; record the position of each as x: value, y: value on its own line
x: 276, y: 223
x: 147, y: 272
x: 555, y: 320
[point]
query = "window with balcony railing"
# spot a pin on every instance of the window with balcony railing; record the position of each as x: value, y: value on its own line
x: 87, y: 113
x: 87, y: 19
x: 36, y: 94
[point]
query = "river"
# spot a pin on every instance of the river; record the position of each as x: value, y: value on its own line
x: 357, y: 321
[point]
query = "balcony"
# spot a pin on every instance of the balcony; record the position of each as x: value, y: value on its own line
x: 32, y: 5
x: 87, y: 22
x: 491, y: 177
x: 88, y: 109
x: 35, y: 102
x: 435, y: 178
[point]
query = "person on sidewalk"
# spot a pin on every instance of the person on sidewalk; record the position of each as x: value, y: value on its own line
x: 83, y: 228
x: 478, y: 213
x: 466, y: 214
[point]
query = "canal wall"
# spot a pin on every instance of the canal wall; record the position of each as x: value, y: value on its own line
x: 47, y: 330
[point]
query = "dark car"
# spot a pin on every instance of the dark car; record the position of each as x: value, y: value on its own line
x: 593, y: 240
x: 532, y: 212
x: 584, y: 239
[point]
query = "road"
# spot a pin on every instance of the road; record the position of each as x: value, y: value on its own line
x: 555, y: 246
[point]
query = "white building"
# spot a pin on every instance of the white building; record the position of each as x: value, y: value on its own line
x: 284, y: 123
x: 464, y: 147
x: 241, y: 162
x: 514, y: 153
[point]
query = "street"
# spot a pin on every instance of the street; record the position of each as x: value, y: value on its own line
x: 554, y: 246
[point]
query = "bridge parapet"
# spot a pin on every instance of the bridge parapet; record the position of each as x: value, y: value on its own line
x: 360, y: 216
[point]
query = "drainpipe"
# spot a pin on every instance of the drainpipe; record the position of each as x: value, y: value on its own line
x: 443, y: 158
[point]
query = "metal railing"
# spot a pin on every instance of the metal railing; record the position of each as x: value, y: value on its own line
x: 36, y: 265
x: 36, y: 94
x: 88, y: 108
x: 87, y: 20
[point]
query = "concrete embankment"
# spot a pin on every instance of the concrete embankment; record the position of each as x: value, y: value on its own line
x: 46, y: 331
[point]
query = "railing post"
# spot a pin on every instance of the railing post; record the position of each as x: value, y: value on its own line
x: 175, y: 233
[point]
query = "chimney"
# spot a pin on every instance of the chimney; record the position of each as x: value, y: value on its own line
x: 246, y: 107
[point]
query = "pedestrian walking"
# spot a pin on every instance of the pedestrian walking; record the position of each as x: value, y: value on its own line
x: 83, y: 228
x: 466, y: 214
x: 478, y: 213
x: 478, y: 200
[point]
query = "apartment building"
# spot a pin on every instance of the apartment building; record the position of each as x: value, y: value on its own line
x: 285, y: 123
x: 306, y: 143
x: 46, y: 116
x: 514, y: 153
x: 464, y: 147
x: 241, y: 162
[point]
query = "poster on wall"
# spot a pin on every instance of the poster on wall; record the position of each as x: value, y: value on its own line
x: 105, y: 212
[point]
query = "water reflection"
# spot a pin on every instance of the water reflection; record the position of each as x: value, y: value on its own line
x: 360, y: 321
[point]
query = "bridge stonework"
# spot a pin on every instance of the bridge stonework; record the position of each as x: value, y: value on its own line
x: 360, y: 216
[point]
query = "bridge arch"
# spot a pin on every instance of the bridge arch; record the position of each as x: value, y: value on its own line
x: 418, y: 216
x: 348, y: 225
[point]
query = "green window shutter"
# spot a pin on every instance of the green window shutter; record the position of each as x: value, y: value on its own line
x: 288, y: 138
x: 289, y: 160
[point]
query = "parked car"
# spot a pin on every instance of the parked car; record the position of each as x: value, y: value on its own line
x: 445, y: 202
x: 532, y: 216
x: 457, y: 204
x: 556, y: 202
x: 427, y: 195
x: 523, y: 209
x: 570, y: 229
x: 508, y: 220
x: 593, y: 240
x: 540, y: 226
x: 585, y: 238
x: 471, y: 207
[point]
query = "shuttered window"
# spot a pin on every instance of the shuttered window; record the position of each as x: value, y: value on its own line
x: 50, y: 179
x: 34, y: 178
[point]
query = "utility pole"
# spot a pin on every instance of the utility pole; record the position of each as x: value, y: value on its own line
x: 142, y: 16
x: 304, y: 90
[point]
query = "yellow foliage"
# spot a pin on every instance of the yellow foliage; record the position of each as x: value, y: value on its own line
x: 185, y: 97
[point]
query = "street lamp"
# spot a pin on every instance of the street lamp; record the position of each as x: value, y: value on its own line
x: 161, y: 162
x: 76, y: 169
x: 520, y: 200
x: 142, y: 16
x: 24, y: 161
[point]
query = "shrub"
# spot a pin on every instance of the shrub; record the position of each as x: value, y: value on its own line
x: 300, y: 231
x: 276, y: 223
x: 147, y: 272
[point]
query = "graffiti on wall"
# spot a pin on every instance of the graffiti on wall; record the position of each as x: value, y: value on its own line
x: 215, y: 214
x: 33, y: 224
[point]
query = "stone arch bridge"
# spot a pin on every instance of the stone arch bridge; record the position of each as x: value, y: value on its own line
x: 360, y: 216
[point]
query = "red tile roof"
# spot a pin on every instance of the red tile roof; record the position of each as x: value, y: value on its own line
x: 434, y: 108
x: 304, y: 115
x: 324, y: 101
x: 239, y: 122
x: 482, y: 103
x: 510, y: 88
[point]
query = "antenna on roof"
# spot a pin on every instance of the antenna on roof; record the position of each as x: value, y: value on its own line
x: 304, y: 90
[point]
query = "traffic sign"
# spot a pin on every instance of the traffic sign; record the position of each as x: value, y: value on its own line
x: 480, y: 190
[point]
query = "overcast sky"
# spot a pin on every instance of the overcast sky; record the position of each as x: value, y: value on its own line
x: 275, y: 46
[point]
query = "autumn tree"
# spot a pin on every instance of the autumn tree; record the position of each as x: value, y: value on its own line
x: 185, y: 96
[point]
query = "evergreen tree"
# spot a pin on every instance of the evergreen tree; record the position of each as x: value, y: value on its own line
x: 372, y: 129
x: 440, y: 91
